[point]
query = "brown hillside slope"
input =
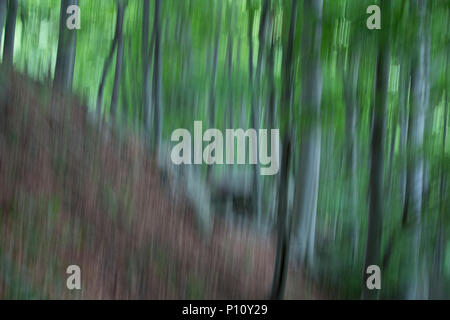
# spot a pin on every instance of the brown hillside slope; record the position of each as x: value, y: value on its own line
x: 70, y: 194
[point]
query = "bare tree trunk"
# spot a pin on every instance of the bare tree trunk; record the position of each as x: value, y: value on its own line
x: 105, y: 73
x: 254, y: 112
x: 255, y: 89
x: 148, y: 58
x: 145, y: 27
x: 416, y: 131
x: 307, y: 175
x: 351, y: 111
x: 3, y: 8
x: 271, y: 110
x: 65, y: 59
x: 230, y: 68
x: 10, y: 29
x: 119, y: 57
x: 212, y: 92
x: 146, y: 62
x: 212, y: 89
x: 441, y: 238
x: 404, y: 85
x: 373, y: 249
x: 257, y: 106
x: 283, y: 234
x: 283, y: 223
x: 404, y: 114
x: 436, y: 285
x: 157, y: 75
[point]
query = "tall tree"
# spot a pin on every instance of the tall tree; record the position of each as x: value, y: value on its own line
x: 255, y: 86
x: 65, y: 59
x: 229, y: 67
x: 121, y: 5
x: 416, y: 132
x: 377, y: 149
x: 271, y: 109
x: 436, y: 278
x: 307, y: 179
x: 215, y: 56
x: 213, y: 84
x: 350, y: 76
x: 283, y: 225
x: 3, y: 8
x: 157, y: 76
x: 107, y: 64
x: 146, y: 64
x: 10, y: 29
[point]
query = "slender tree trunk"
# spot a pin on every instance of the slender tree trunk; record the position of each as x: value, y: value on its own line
x: 253, y: 116
x: 212, y: 89
x: 147, y: 92
x: 105, y: 73
x: 416, y: 131
x: 307, y: 176
x: 283, y: 221
x: 271, y: 113
x: 65, y: 59
x: 436, y: 284
x: 3, y: 8
x: 404, y: 85
x: 230, y: 68
x: 351, y: 84
x: 146, y: 64
x: 373, y: 249
x: 119, y: 58
x: 145, y: 27
x: 436, y: 287
x: 270, y: 117
x: 390, y: 169
x: 404, y: 114
x: 157, y: 75
x: 255, y: 91
x: 257, y: 106
x: 283, y: 234
x: 10, y: 29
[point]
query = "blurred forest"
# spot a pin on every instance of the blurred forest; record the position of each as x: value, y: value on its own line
x: 86, y: 118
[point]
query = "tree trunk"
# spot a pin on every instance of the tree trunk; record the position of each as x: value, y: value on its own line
x: 145, y: 27
x: 157, y: 73
x: 404, y: 85
x: 3, y: 8
x: 212, y: 89
x: 212, y: 92
x: 146, y: 62
x: 377, y: 152
x: 255, y: 91
x: 436, y: 285
x: 416, y: 131
x: 283, y: 234
x: 65, y: 59
x: 147, y: 92
x: 351, y: 111
x: 254, y: 117
x: 307, y: 177
x: 271, y: 110
x: 229, y: 58
x: 105, y: 73
x: 10, y: 29
x: 283, y: 223
x: 119, y: 57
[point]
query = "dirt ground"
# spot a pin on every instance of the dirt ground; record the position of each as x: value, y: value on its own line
x: 71, y: 193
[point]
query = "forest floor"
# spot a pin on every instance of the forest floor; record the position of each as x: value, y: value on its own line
x: 72, y: 194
